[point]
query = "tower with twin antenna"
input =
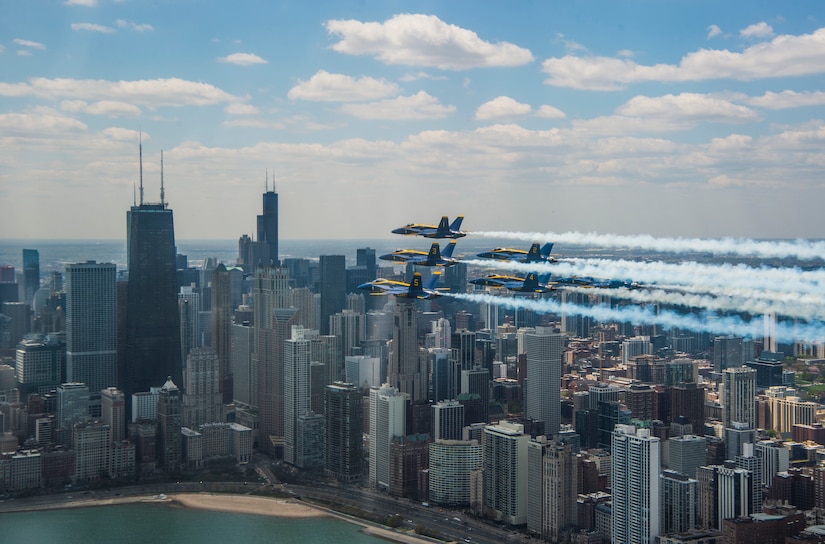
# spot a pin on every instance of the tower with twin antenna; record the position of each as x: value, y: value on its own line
x: 268, y: 222
x: 151, y: 353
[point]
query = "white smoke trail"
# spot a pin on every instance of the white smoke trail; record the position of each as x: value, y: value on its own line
x: 687, y: 273
x: 721, y: 302
x: 637, y: 315
x: 800, y: 249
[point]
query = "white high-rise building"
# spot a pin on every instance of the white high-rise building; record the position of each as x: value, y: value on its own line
x: 739, y: 396
x: 542, y: 397
x: 505, y: 472
x: 387, y: 420
x: 636, y: 464
x: 451, y: 462
x: 91, y: 324
x: 296, y: 387
x: 775, y: 459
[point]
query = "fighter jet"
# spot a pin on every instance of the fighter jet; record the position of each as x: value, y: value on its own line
x: 413, y: 290
x: 530, y: 284
x: 535, y: 254
x: 422, y: 258
x: 443, y: 230
x: 599, y: 283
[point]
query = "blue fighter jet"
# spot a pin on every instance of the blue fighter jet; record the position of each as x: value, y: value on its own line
x: 413, y: 290
x: 536, y: 254
x: 443, y: 230
x: 432, y: 258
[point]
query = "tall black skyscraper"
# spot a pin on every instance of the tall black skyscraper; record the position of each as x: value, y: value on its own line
x: 152, y: 351
x: 268, y: 226
x: 333, y: 287
x: 31, y: 274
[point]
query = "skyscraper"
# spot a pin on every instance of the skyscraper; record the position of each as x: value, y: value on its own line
x: 91, y: 324
x: 333, y: 289
x: 268, y: 226
x: 635, y: 467
x: 296, y: 388
x: 505, y: 472
x: 551, y: 487
x: 222, y: 328
x: 152, y: 353
x: 31, y: 274
x: 273, y: 320
x: 388, y: 408
x: 542, y: 397
x: 407, y: 369
x: 738, y: 396
x: 343, y: 408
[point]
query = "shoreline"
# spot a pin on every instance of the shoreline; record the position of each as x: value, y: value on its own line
x: 229, y: 503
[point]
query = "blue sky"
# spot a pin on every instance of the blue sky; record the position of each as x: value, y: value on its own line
x: 678, y: 118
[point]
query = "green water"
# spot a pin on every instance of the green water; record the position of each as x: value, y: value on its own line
x: 149, y: 523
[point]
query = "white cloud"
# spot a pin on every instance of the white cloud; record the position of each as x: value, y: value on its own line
x: 327, y: 87
x: 687, y: 107
x: 24, y: 53
x: 502, y: 107
x: 2, y: 48
x: 788, y: 99
x: 237, y: 108
x: 549, y: 112
x: 418, y: 106
x: 569, y: 45
x: 148, y: 92
x: 784, y: 56
x: 625, y: 53
x: 125, y: 134
x: 93, y: 27
x: 423, y: 40
x: 242, y: 59
x: 713, y: 31
x: 29, y: 43
x: 87, y: 3
x: 110, y: 108
x: 758, y: 30
x: 143, y: 27
x: 421, y: 75
x: 39, y: 123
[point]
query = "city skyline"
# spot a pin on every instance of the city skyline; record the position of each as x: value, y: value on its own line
x: 522, y: 120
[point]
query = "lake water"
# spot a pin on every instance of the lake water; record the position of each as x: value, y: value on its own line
x: 158, y: 523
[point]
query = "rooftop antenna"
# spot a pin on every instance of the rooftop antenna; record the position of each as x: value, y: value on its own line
x: 273, y: 180
x: 140, y: 147
x: 134, y: 195
x: 266, y: 183
x: 162, y: 195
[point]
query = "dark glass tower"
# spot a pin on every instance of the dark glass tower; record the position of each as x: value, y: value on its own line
x: 268, y: 227
x: 333, y: 287
x: 152, y: 351
x: 31, y: 273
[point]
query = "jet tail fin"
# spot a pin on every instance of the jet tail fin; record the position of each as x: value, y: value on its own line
x: 546, y: 249
x: 456, y: 225
x: 531, y: 282
x: 448, y: 251
x: 434, y: 257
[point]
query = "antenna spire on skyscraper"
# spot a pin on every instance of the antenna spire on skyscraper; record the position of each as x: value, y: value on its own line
x: 162, y: 195
x: 140, y: 150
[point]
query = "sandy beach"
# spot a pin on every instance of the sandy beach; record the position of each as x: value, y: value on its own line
x: 247, y: 504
